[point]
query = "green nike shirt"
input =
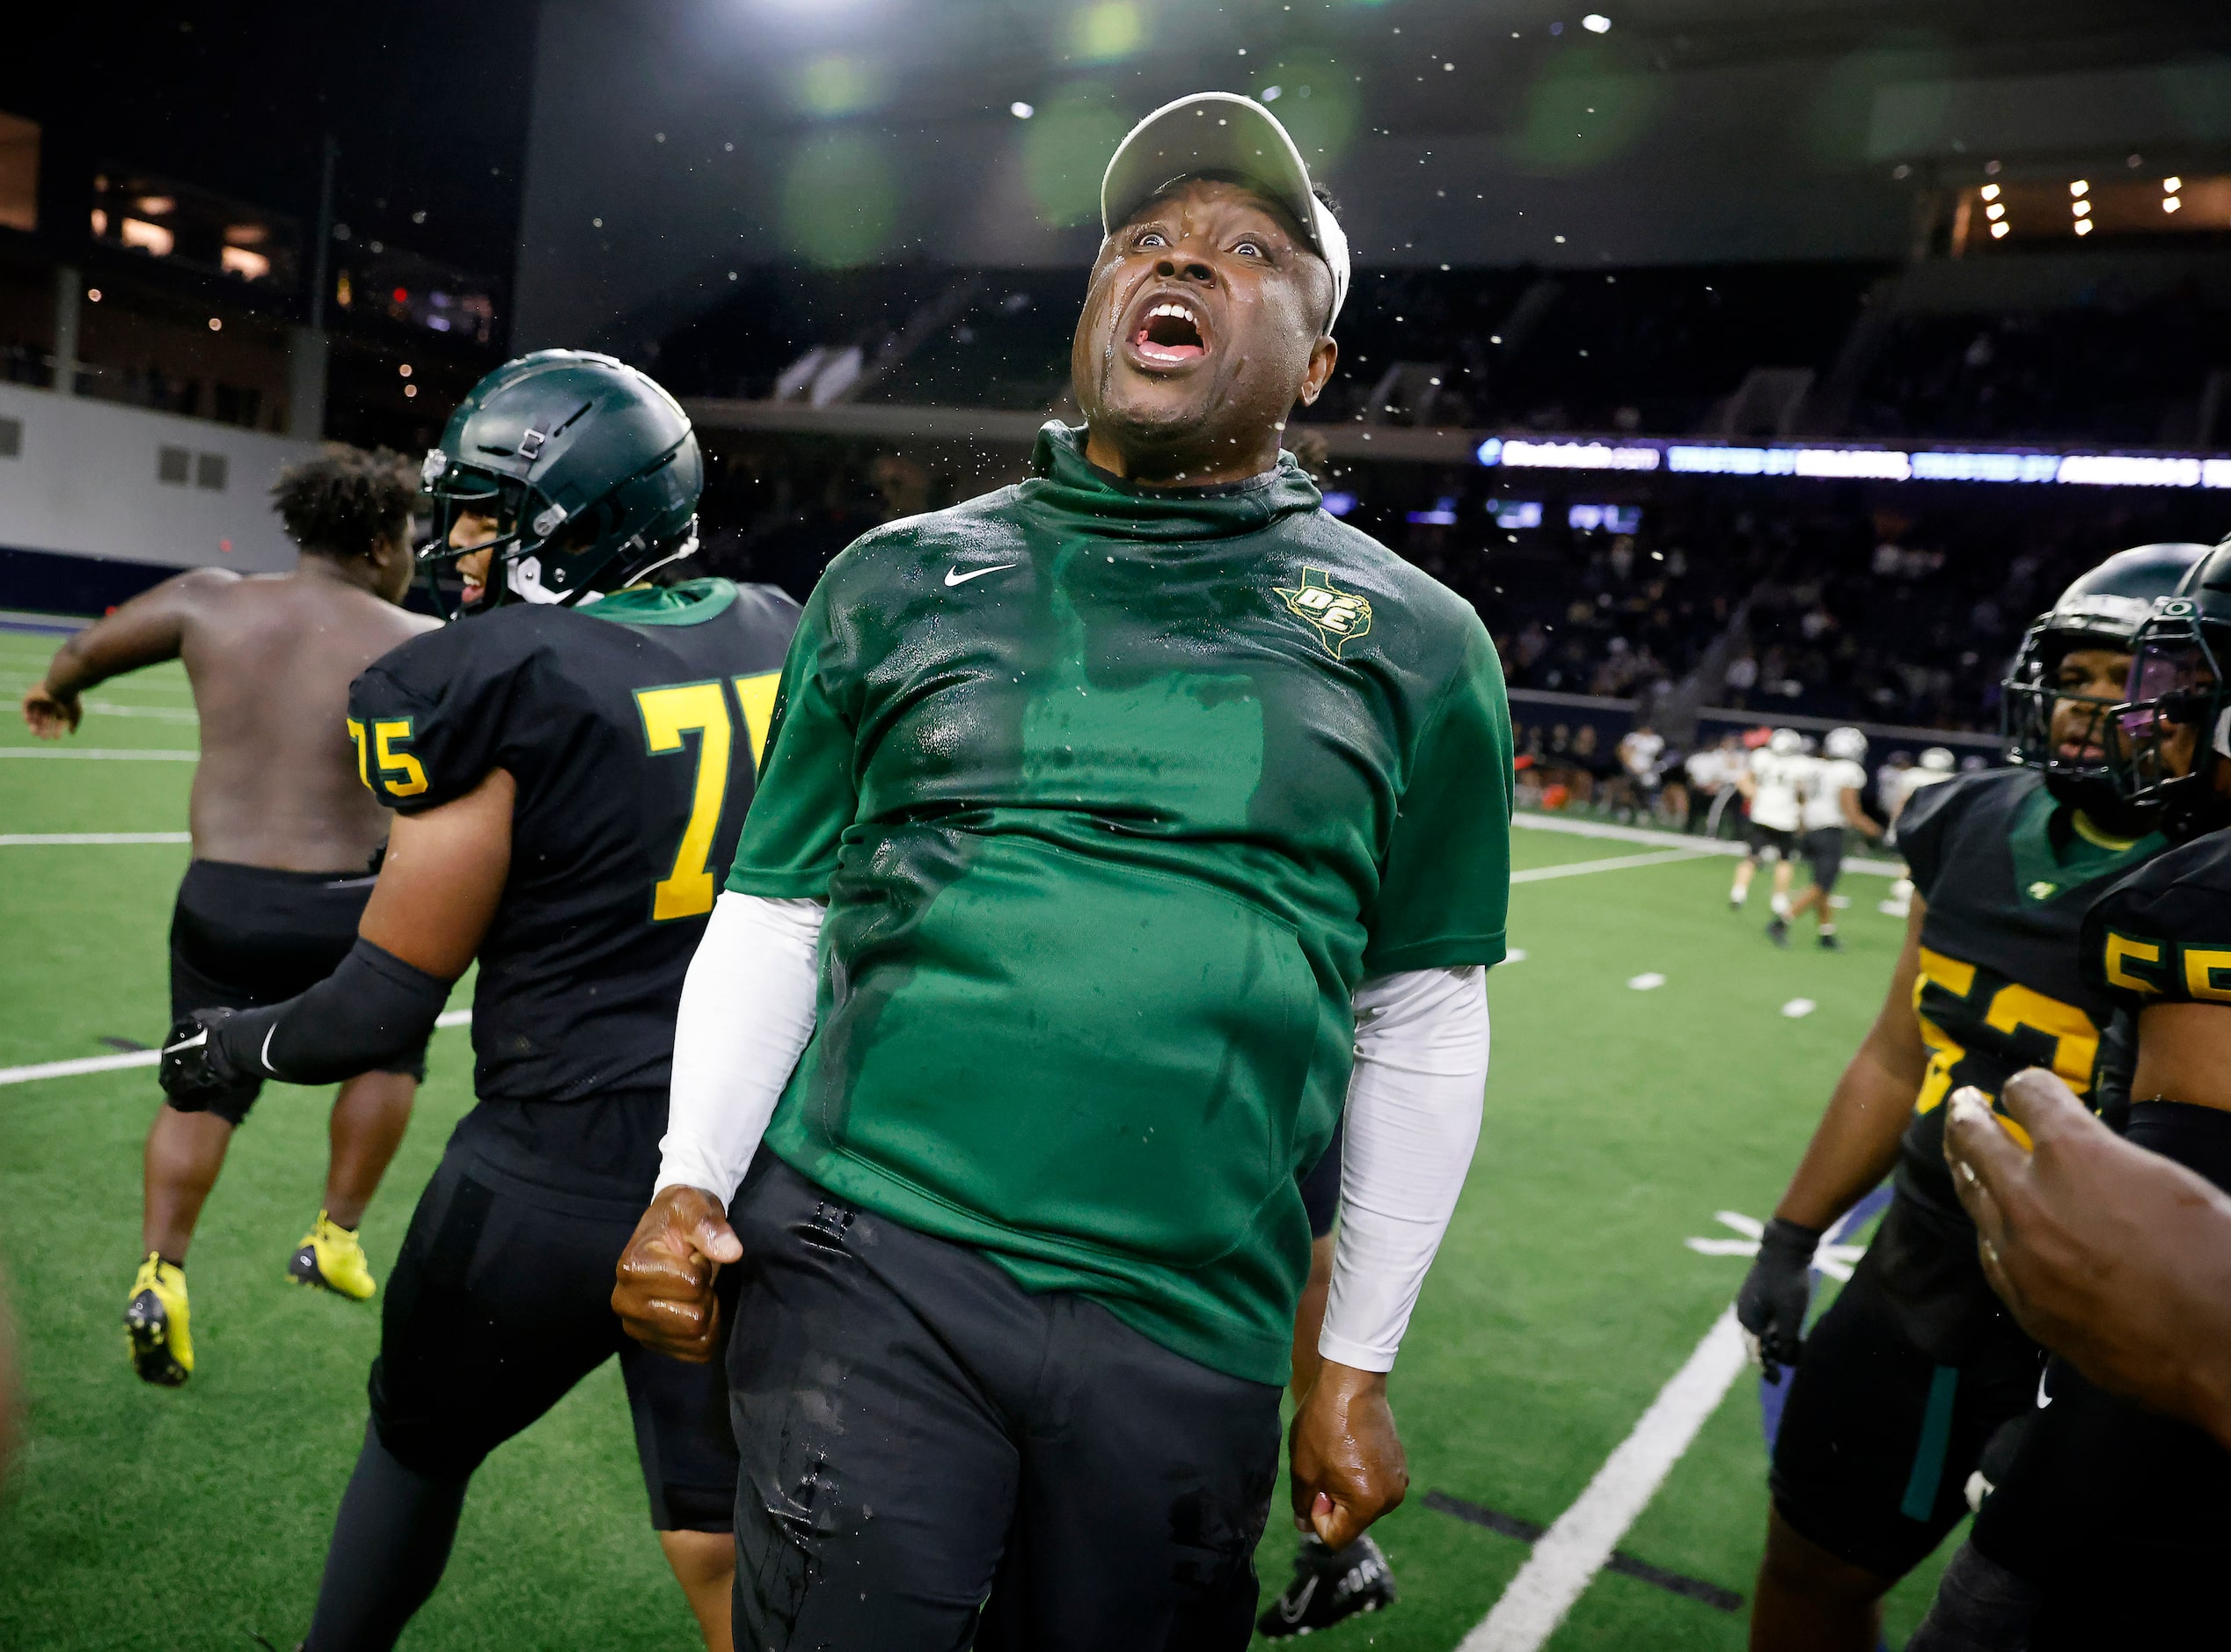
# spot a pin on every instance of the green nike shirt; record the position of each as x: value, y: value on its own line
x: 1116, y: 796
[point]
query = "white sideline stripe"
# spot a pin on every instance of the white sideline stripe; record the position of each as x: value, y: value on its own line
x: 1573, y: 1551
x: 42, y: 840
x: 1531, y: 822
x: 111, y: 754
x: 1573, y: 869
x: 143, y: 1058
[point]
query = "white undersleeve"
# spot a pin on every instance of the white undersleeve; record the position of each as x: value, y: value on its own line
x: 1413, y: 1120
x: 746, y: 1012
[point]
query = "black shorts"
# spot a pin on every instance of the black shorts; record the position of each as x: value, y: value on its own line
x: 245, y: 936
x: 1877, y: 1440
x: 500, y: 1302
x: 1824, y: 851
x: 1320, y: 1190
x: 1771, y: 843
x: 933, y: 1456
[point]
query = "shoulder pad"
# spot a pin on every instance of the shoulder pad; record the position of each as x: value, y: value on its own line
x: 2163, y: 933
x: 429, y: 718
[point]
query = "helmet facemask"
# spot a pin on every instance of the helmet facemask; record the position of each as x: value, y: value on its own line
x: 2175, y: 726
x: 458, y: 492
x: 539, y: 554
x: 2066, y: 730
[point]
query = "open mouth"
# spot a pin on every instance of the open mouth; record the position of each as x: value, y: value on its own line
x: 1170, y: 331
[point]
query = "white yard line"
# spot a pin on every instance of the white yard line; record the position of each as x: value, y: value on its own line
x: 113, y: 754
x: 143, y: 1058
x: 1574, y: 828
x: 1574, y: 1549
x: 44, y: 840
x: 1573, y: 869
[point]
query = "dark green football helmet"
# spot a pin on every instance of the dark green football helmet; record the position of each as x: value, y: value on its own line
x: 2174, y: 732
x: 2102, y: 609
x: 590, y: 469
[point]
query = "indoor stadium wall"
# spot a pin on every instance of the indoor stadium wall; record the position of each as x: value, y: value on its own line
x: 99, y: 501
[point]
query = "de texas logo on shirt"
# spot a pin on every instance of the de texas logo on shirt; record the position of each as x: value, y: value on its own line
x: 1337, y: 616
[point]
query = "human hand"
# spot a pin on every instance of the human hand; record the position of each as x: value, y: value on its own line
x: 2113, y: 1256
x: 1770, y: 1306
x: 51, y: 715
x: 664, y: 1294
x: 1346, y: 1460
x: 195, y: 1068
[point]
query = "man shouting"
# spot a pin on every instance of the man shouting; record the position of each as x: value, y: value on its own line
x: 1116, y: 829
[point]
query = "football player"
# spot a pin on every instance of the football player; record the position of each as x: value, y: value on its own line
x: 286, y: 842
x: 566, y: 767
x: 1833, y: 784
x: 2112, y: 1523
x: 1936, y: 766
x: 1917, y: 1365
x: 1772, y: 782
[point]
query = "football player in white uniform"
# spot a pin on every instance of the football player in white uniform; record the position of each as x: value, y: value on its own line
x: 1772, y: 784
x: 1936, y: 765
x: 1833, y: 784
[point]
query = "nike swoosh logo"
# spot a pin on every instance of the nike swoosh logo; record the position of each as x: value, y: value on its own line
x: 2044, y: 1399
x: 954, y: 577
x: 1300, y: 1607
x: 199, y: 1039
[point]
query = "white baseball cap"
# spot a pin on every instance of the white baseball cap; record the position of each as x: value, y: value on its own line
x: 1222, y: 132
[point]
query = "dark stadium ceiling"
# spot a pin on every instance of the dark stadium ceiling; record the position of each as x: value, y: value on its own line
x: 925, y: 63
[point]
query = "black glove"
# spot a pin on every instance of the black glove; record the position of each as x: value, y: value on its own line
x: 1770, y: 1306
x: 196, y: 1069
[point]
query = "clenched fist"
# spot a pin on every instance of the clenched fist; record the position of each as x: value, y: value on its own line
x: 664, y: 1294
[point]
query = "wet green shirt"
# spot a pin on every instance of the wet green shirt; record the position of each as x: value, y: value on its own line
x: 1116, y: 796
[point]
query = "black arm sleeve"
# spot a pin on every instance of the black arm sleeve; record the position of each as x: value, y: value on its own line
x: 370, y: 1014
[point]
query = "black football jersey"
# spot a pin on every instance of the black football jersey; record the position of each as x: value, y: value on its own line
x: 634, y: 728
x: 2008, y: 875
x: 2162, y: 935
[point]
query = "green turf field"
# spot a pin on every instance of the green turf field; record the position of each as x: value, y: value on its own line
x: 1618, y: 1121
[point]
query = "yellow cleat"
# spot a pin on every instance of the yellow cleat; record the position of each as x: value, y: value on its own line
x: 331, y: 1258
x: 154, y: 1324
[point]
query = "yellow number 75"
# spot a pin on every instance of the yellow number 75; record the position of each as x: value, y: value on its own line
x: 669, y: 713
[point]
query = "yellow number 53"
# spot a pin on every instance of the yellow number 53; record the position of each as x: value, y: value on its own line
x: 701, y: 708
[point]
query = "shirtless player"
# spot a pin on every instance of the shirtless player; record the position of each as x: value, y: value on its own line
x: 287, y: 839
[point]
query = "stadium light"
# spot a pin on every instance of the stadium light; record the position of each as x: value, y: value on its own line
x: 2082, y: 209
x: 2080, y: 187
x: 1596, y: 23
x: 2084, y: 226
x: 1997, y: 230
x: 1021, y: 110
x: 1989, y: 192
x: 2170, y: 203
x: 2170, y: 185
x: 1995, y: 211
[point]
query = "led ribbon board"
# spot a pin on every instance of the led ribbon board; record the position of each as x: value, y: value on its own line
x: 1883, y: 464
